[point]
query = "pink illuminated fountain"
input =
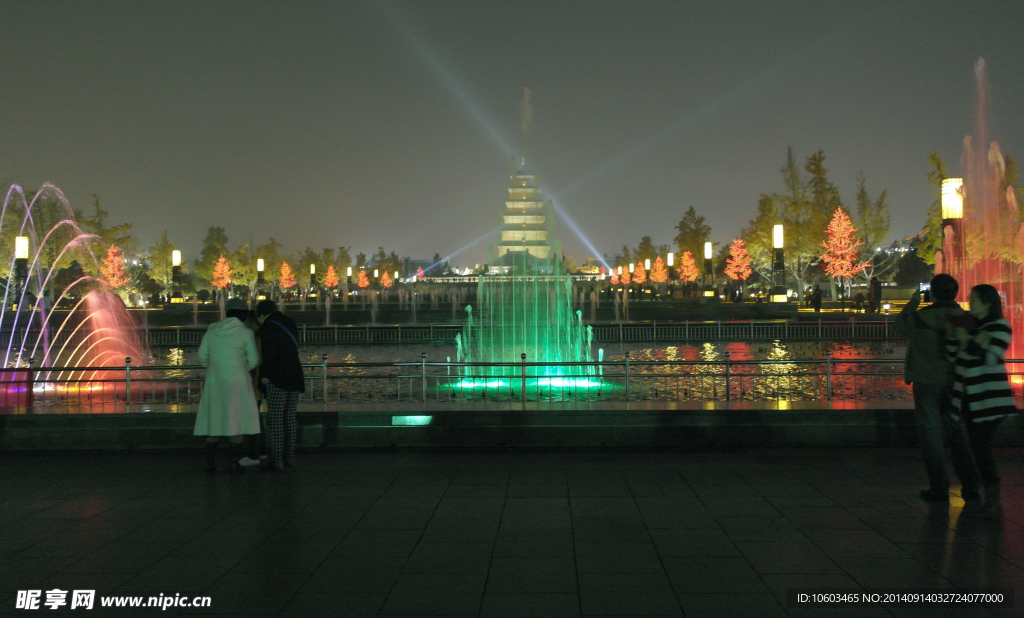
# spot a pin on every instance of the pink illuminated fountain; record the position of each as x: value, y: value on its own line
x: 98, y: 331
x: 984, y: 242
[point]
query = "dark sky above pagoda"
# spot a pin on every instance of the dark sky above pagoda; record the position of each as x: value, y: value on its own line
x: 391, y: 123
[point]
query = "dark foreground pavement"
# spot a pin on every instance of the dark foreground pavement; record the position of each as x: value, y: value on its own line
x: 524, y: 534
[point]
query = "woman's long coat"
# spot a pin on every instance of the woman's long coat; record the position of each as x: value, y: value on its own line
x: 228, y: 406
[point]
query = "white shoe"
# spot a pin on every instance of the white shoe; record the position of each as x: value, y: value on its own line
x: 245, y: 461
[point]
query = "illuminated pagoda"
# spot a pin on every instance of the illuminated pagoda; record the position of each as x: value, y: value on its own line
x: 523, y: 221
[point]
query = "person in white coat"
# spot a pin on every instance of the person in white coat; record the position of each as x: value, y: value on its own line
x: 228, y: 406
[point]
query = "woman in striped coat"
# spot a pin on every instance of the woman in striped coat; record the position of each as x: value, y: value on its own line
x: 981, y: 390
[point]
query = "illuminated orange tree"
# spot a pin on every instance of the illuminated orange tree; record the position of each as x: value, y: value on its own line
x: 385, y: 279
x: 364, y: 282
x: 841, y: 253
x: 639, y: 273
x: 624, y: 277
x: 287, y: 278
x: 688, y: 271
x: 615, y: 278
x: 221, y: 273
x: 737, y: 265
x: 112, y: 270
x: 419, y: 273
x: 659, y: 273
x: 331, y: 278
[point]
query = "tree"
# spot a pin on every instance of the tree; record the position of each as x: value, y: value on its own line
x: 874, y: 225
x: 693, y: 233
x: 221, y: 273
x: 932, y: 230
x: 803, y: 207
x: 159, y: 257
x: 331, y: 278
x: 361, y: 260
x: 287, y: 278
x: 659, y: 273
x: 688, y: 270
x: 614, y: 278
x: 112, y: 271
x: 639, y: 274
x: 624, y: 277
x: 841, y: 255
x: 364, y: 281
x: 385, y: 279
x: 214, y: 245
x: 646, y: 250
x: 119, y: 234
x: 419, y: 273
x: 737, y: 266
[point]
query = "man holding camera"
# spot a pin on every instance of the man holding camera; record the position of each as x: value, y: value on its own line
x: 931, y: 375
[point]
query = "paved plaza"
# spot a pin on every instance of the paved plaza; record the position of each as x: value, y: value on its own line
x: 695, y: 533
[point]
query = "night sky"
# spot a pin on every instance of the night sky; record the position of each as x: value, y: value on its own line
x: 391, y: 123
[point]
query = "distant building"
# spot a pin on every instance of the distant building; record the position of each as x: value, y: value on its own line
x: 523, y: 228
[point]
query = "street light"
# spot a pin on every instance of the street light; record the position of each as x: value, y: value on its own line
x: 647, y: 264
x: 778, y: 267
x: 952, y: 199
x: 20, y: 265
x: 260, y: 266
x: 312, y: 280
x: 671, y: 257
x: 631, y: 267
x: 709, y: 275
x: 176, y: 277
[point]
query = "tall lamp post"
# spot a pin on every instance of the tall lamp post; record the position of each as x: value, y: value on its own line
x: 709, y: 275
x: 778, y: 267
x: 20, y: 267
x: 176, y: 277
x: 348, y: 280
x: 260, y: 266
x: 952, y: 216
x: 312, y: 280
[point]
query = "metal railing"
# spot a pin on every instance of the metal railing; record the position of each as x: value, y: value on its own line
x: 603, y: 332
x: 490, y: 384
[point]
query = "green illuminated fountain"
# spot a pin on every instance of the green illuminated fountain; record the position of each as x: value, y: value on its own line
x: 525, y: 306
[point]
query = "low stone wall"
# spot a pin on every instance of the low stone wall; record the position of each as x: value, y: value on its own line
x: 654, y: 425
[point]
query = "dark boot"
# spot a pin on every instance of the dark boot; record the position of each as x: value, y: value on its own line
x: 211, y: 457
x: 236, y: 452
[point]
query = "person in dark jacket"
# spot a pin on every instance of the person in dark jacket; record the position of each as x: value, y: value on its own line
x: 282, y: 378
x: 981, y: 390
x: 931, y: 375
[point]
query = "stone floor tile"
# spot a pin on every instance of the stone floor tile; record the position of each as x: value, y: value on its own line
x: 537, y: 604
x: 636, y: 594
x: 787, y: 557
x: 712, y: 575
x: 617, y: 557
x: 450, y: 558
x: 693, y: 542
x: 455, y: 594
x: 534, y: 574
x: 731, y: 605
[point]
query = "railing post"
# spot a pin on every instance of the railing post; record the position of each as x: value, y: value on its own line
x: 719, y: 330
x: 686, y: 330
x: 30, y: 383
x: 728, y: 373
x: 305, y: 340
x: 627, y: 376
x: 828, y: 375
x: 324, y: 359
x: 819, y: 329
x: 423, y: 376
x: 523, y: 394
x: 655, y: 336
x: 127, y: 383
